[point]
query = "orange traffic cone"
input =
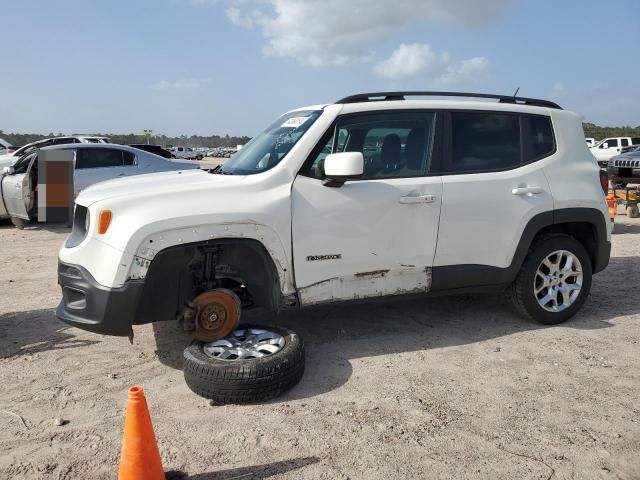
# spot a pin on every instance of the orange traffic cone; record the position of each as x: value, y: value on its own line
x: 139, y: 458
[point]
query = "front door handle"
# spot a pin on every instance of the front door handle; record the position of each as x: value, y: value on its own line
x: 417, y: 199
x: 529, y: 190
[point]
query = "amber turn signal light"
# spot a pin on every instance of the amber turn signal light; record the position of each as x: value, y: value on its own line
x: 104, y: 219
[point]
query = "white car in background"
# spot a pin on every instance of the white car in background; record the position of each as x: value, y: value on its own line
x: 93, y: 163
x: 186, y: 153
x: 5, y: 160
x: 590, y: 141
x: 6, y: 147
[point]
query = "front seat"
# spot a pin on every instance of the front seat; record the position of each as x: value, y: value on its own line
x: 390, y: 154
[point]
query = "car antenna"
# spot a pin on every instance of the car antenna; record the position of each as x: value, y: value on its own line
x: 517, y: 90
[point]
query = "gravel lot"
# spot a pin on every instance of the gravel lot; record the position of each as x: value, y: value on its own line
x: 453, y: 387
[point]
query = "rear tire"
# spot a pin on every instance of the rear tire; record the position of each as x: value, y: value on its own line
x: 633, y: 211
x: 523, y: 294
x: 248, y: 380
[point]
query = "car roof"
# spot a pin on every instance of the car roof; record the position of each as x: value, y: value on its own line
x: 76, y: 146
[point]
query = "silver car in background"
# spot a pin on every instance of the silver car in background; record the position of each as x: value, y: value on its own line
x: 93, y: 163
x: 7, y: 158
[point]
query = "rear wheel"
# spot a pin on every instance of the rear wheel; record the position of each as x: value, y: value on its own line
x: 554, y: 280
x: 253, y: 364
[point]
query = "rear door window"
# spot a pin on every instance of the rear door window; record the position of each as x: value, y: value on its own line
x: 103, y: 157
x: 483, y: 142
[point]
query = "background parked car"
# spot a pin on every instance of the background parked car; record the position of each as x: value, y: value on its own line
x: 590, y: 141
x: 6, y: 147
x: 93, y: 163
x: 624, y: 169
x: 5, y: 160
x: 611, y: 147
x: 631, y: 148
x: 157, y: 149
x: 187, y: 153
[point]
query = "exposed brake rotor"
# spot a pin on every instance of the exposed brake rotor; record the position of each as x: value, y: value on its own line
x: 217, y: 314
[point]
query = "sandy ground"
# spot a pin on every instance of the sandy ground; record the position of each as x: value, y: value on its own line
x: 453, y: 387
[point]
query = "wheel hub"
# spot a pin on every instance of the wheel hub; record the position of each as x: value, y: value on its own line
x: 217, y: 314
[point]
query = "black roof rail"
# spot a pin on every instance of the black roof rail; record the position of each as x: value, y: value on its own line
x: 379, y: 96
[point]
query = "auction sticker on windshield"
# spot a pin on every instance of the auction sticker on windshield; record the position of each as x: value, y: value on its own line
x: 294, y: 122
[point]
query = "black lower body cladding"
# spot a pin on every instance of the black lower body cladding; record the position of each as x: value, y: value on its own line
x: 90, y: 306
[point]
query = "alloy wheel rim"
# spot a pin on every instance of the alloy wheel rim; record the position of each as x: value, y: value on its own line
x: 245, y: 343
x: 558, y: 281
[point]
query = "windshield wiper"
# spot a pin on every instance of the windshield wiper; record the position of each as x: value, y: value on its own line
x: 218, y: 170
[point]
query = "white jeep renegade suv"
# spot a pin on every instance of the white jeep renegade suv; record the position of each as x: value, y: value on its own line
x: 375, y: 195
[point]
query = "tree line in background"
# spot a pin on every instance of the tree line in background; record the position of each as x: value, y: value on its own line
x: 600, y: 133
x: 19, y: 139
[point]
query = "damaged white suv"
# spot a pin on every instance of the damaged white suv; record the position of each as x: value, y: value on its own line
x: 375, y: 195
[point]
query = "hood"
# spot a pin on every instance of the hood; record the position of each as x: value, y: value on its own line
x: 146, y: 186
x: 6, y: 160
x: 627, y: 156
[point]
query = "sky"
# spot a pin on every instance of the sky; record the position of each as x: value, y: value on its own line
x: 232, y: 66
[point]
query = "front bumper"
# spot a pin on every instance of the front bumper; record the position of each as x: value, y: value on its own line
x: 90, y: 306
x: 623, y: 174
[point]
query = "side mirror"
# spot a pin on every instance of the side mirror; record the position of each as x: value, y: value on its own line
x: 605, y: 145
x: 10, y: 170
x: 340, y: 167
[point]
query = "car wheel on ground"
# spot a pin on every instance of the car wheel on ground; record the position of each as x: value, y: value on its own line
x: 554, y: 280
x: 633, y: 211
x: 253, y: 364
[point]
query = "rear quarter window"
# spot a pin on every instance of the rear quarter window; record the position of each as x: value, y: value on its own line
x: 540, y: 138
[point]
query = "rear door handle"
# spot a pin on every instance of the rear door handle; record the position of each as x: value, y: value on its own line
x: 417, y: 199
x: 527, y: 190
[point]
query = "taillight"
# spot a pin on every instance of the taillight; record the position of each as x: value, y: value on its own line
x: 604, y: 181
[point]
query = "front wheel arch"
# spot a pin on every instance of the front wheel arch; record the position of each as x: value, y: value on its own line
x: 170, y: 283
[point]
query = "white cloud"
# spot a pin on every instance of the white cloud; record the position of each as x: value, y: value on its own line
x: 236, y: 16
x: 184, y: 84
x: 338, y: 32
x: 410, y: 60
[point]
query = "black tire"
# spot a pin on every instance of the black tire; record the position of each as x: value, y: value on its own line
x: 249, y: 380
x: 521, y: 292
x: 199, y: 157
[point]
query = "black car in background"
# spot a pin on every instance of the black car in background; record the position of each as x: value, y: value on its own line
x: 157, y: 149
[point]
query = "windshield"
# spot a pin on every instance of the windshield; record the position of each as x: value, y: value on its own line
x: 267, y: 149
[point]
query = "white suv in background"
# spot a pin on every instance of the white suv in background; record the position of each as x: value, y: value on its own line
x: 375, y: 195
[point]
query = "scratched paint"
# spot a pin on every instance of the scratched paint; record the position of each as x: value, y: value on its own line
x: 377, y: 283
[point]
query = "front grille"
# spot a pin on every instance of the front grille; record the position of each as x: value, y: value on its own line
x: 79, y: 227
x: 627, y: 163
